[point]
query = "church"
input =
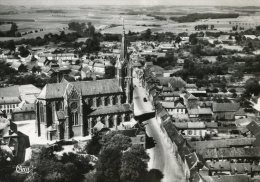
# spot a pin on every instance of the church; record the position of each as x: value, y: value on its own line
x: 72, y: 109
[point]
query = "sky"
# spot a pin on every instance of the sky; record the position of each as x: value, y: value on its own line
x: 132, y: 2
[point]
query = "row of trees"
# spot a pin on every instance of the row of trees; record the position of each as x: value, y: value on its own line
x: 198, y: 16
x: 38, y: 41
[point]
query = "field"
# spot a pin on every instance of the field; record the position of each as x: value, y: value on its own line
x: 53, y: 20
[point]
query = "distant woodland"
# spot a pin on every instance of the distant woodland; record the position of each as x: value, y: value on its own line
x: 198, y: 16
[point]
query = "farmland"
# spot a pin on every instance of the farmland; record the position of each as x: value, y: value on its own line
x: 38, y: 21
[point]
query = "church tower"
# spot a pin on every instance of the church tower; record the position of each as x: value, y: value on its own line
x: 119, y: 73
x: 124, y: 70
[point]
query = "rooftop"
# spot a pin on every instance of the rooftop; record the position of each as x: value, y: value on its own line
x: 224, y: 143
x: 225, y: 107
x: 111, y: 109
x: 12, y: 91
x: 86, y: 88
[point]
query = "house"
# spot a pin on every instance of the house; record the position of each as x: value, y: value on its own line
x: 174, y: 108
x: 228, y: 168
x: 190, y: 101
x: 222, y: 143
x: 230, y: 154
x: 24, y: 112
x: 225, y: 111
x: 9, y: 99
x: 191, y: 87
x: 226, y: 178
x: 172, y: 133
x: 196, y: 129
x: 202, y: 114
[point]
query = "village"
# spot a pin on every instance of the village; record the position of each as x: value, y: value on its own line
x: 199, y: 92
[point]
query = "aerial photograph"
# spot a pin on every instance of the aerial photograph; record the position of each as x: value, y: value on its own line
x: 129, y: 90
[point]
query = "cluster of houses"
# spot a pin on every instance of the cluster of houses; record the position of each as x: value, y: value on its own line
x: 205, y: 133
x: 17, y: 102
x: 50, y: 61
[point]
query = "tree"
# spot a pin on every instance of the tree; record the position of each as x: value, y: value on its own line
x: 108, y: 165
x: 252, y: 87
x: 10, y: 45
x: 91, y: 30
x: 23, y: 51
x: 81, y: 163
x: 133, y: 168
x: 22, y: 68
x: 116, y: 140
x: 178, y: 39
x: 193, y: 39
x: 6, y: 165
x: 147, y: 34
x: 94, y: 146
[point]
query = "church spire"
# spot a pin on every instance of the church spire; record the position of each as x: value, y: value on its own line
x: 123, y: 54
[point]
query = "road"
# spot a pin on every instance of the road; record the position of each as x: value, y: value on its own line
x: 162, y: 156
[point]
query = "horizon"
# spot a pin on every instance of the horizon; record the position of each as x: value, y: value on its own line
x: 62, y: 3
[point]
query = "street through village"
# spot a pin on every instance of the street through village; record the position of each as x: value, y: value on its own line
x: 161, y: 156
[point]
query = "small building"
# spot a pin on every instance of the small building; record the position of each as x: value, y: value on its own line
x: 196, y: 129
x: 24, y: 112
x: 225, y: 111
x: 169, y: 96
x: 203, y: 114
x: 9, y: 99
x: 174, y: 108
x: 191, y: 87
x: 190, y: 101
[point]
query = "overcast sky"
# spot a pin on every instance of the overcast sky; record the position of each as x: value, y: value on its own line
x: 133, y: 2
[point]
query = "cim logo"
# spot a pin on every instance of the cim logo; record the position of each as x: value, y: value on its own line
x: 23, y: 169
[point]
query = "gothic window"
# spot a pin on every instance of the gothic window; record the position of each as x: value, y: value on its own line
x: 127, y: 117
x: 103, y: 120
x: 75, y: 119
x: 106, y: 101
x: 111, y: 121
x: 74, y: 106
x: 119, y: 120
x: 114, y: 100
x: 99, y: 102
